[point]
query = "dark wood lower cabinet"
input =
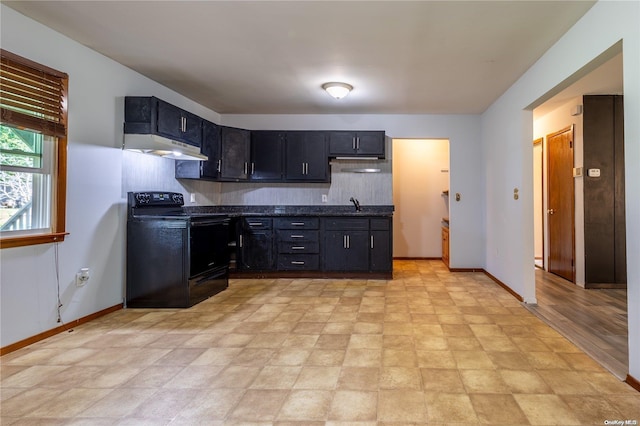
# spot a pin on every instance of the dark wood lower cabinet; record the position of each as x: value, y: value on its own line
x: 316, y: 245
x: 346, y: 251
x: 256, y: 247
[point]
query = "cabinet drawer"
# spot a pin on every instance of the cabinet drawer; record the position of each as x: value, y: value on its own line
x: 380, y: 224
x: 296, y: 223
x: 299, y: 247
x: 346, y: 224
x: 294, y: 262
x: 291, y: 235
x: 258, y: 223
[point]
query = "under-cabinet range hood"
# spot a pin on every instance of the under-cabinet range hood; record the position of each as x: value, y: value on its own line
x: 161, y: 146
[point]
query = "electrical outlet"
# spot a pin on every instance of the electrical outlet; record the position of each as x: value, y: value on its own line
x: 324, y: 198
x: 192, y: 198
x: 82, y: 277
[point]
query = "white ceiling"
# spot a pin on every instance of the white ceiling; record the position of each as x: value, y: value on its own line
x: 271, y: 57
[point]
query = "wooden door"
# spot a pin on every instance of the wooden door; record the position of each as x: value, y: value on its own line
x: 560, y: 205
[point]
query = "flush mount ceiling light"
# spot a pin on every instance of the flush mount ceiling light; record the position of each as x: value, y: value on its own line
x: 337, y: 90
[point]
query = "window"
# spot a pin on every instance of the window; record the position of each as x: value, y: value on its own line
x: 33, y: 103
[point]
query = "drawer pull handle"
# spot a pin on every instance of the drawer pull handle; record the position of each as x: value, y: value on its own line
x: 297, y: 236
x: 297, y: 223
x: 297, y: 247
x: 297, y: 262
x: 255, y: 223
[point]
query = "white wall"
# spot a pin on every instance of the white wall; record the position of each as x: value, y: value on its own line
x: 420, y: 175
x: 507, y: 131
x: 95, y: 193
x: 554, y: 121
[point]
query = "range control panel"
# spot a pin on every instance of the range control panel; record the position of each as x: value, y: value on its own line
x: 155, y: 199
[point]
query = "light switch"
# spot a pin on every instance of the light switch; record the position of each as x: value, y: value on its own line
x: 593, y: 173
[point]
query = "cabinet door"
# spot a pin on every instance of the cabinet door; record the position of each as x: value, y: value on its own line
x: 178, y: 124
x: 211, y: 148
x: 342, y: 143
x: 294, y: 156
x: 192, y: 129
x: 445, y: 245
x: 235, y: 145
x: 256, y: 244
x: 306, y: 157
x: 266, y: 155
x: 169, y: 120
x: 370, y: 144
x: 139, y: 112
x: 316, y: 158
x: 380, y: 246
x: 334, y: 251
x: 346, y: 251
x: 356, y: 143
x: 256, y: 251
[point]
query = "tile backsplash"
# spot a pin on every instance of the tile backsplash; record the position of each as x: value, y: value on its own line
x: 147, y: 172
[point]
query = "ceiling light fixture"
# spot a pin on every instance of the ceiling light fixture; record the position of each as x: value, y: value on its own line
x: 337, y: 90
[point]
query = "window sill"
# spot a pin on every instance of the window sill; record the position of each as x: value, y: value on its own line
x: 31, y: 240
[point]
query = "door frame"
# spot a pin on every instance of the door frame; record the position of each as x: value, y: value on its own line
x: 540, y: 141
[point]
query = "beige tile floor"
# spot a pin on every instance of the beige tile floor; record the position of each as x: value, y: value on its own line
x: 428, y: 347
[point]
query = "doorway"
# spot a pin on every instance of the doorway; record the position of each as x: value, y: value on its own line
x: 595, y: 321
x: 420, y: 197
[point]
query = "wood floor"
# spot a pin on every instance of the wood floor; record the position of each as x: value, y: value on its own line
x: 594, y: 320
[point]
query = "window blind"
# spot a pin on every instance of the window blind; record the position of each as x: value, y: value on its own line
x: 32, y: 96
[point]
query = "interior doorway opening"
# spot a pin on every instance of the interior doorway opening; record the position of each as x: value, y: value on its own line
x: 420, y: 197
x: 594, y: 320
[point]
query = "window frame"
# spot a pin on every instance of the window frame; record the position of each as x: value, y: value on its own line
x: 57, y: 231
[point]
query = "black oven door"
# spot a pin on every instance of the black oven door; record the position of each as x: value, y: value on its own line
x: 208, y: 245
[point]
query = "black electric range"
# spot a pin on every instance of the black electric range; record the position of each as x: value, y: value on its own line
x: 174, y: 259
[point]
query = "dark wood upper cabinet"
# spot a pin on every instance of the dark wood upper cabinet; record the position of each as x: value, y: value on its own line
x: 207, y: 170
x: 176, y: 123
x: 267, y: 156
x: 235, y: 153
x: 356, y: 144
x: 306, y: 157
x: 150, y: 115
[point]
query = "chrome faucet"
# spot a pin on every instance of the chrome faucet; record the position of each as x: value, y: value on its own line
x: 356, y: 203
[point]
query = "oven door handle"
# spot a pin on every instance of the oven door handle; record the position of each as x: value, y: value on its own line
x: 209, y: 222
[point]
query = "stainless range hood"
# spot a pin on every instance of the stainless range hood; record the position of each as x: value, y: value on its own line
x: 161, y: 146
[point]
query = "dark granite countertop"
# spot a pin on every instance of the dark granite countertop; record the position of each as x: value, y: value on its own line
x: 237, y: 211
